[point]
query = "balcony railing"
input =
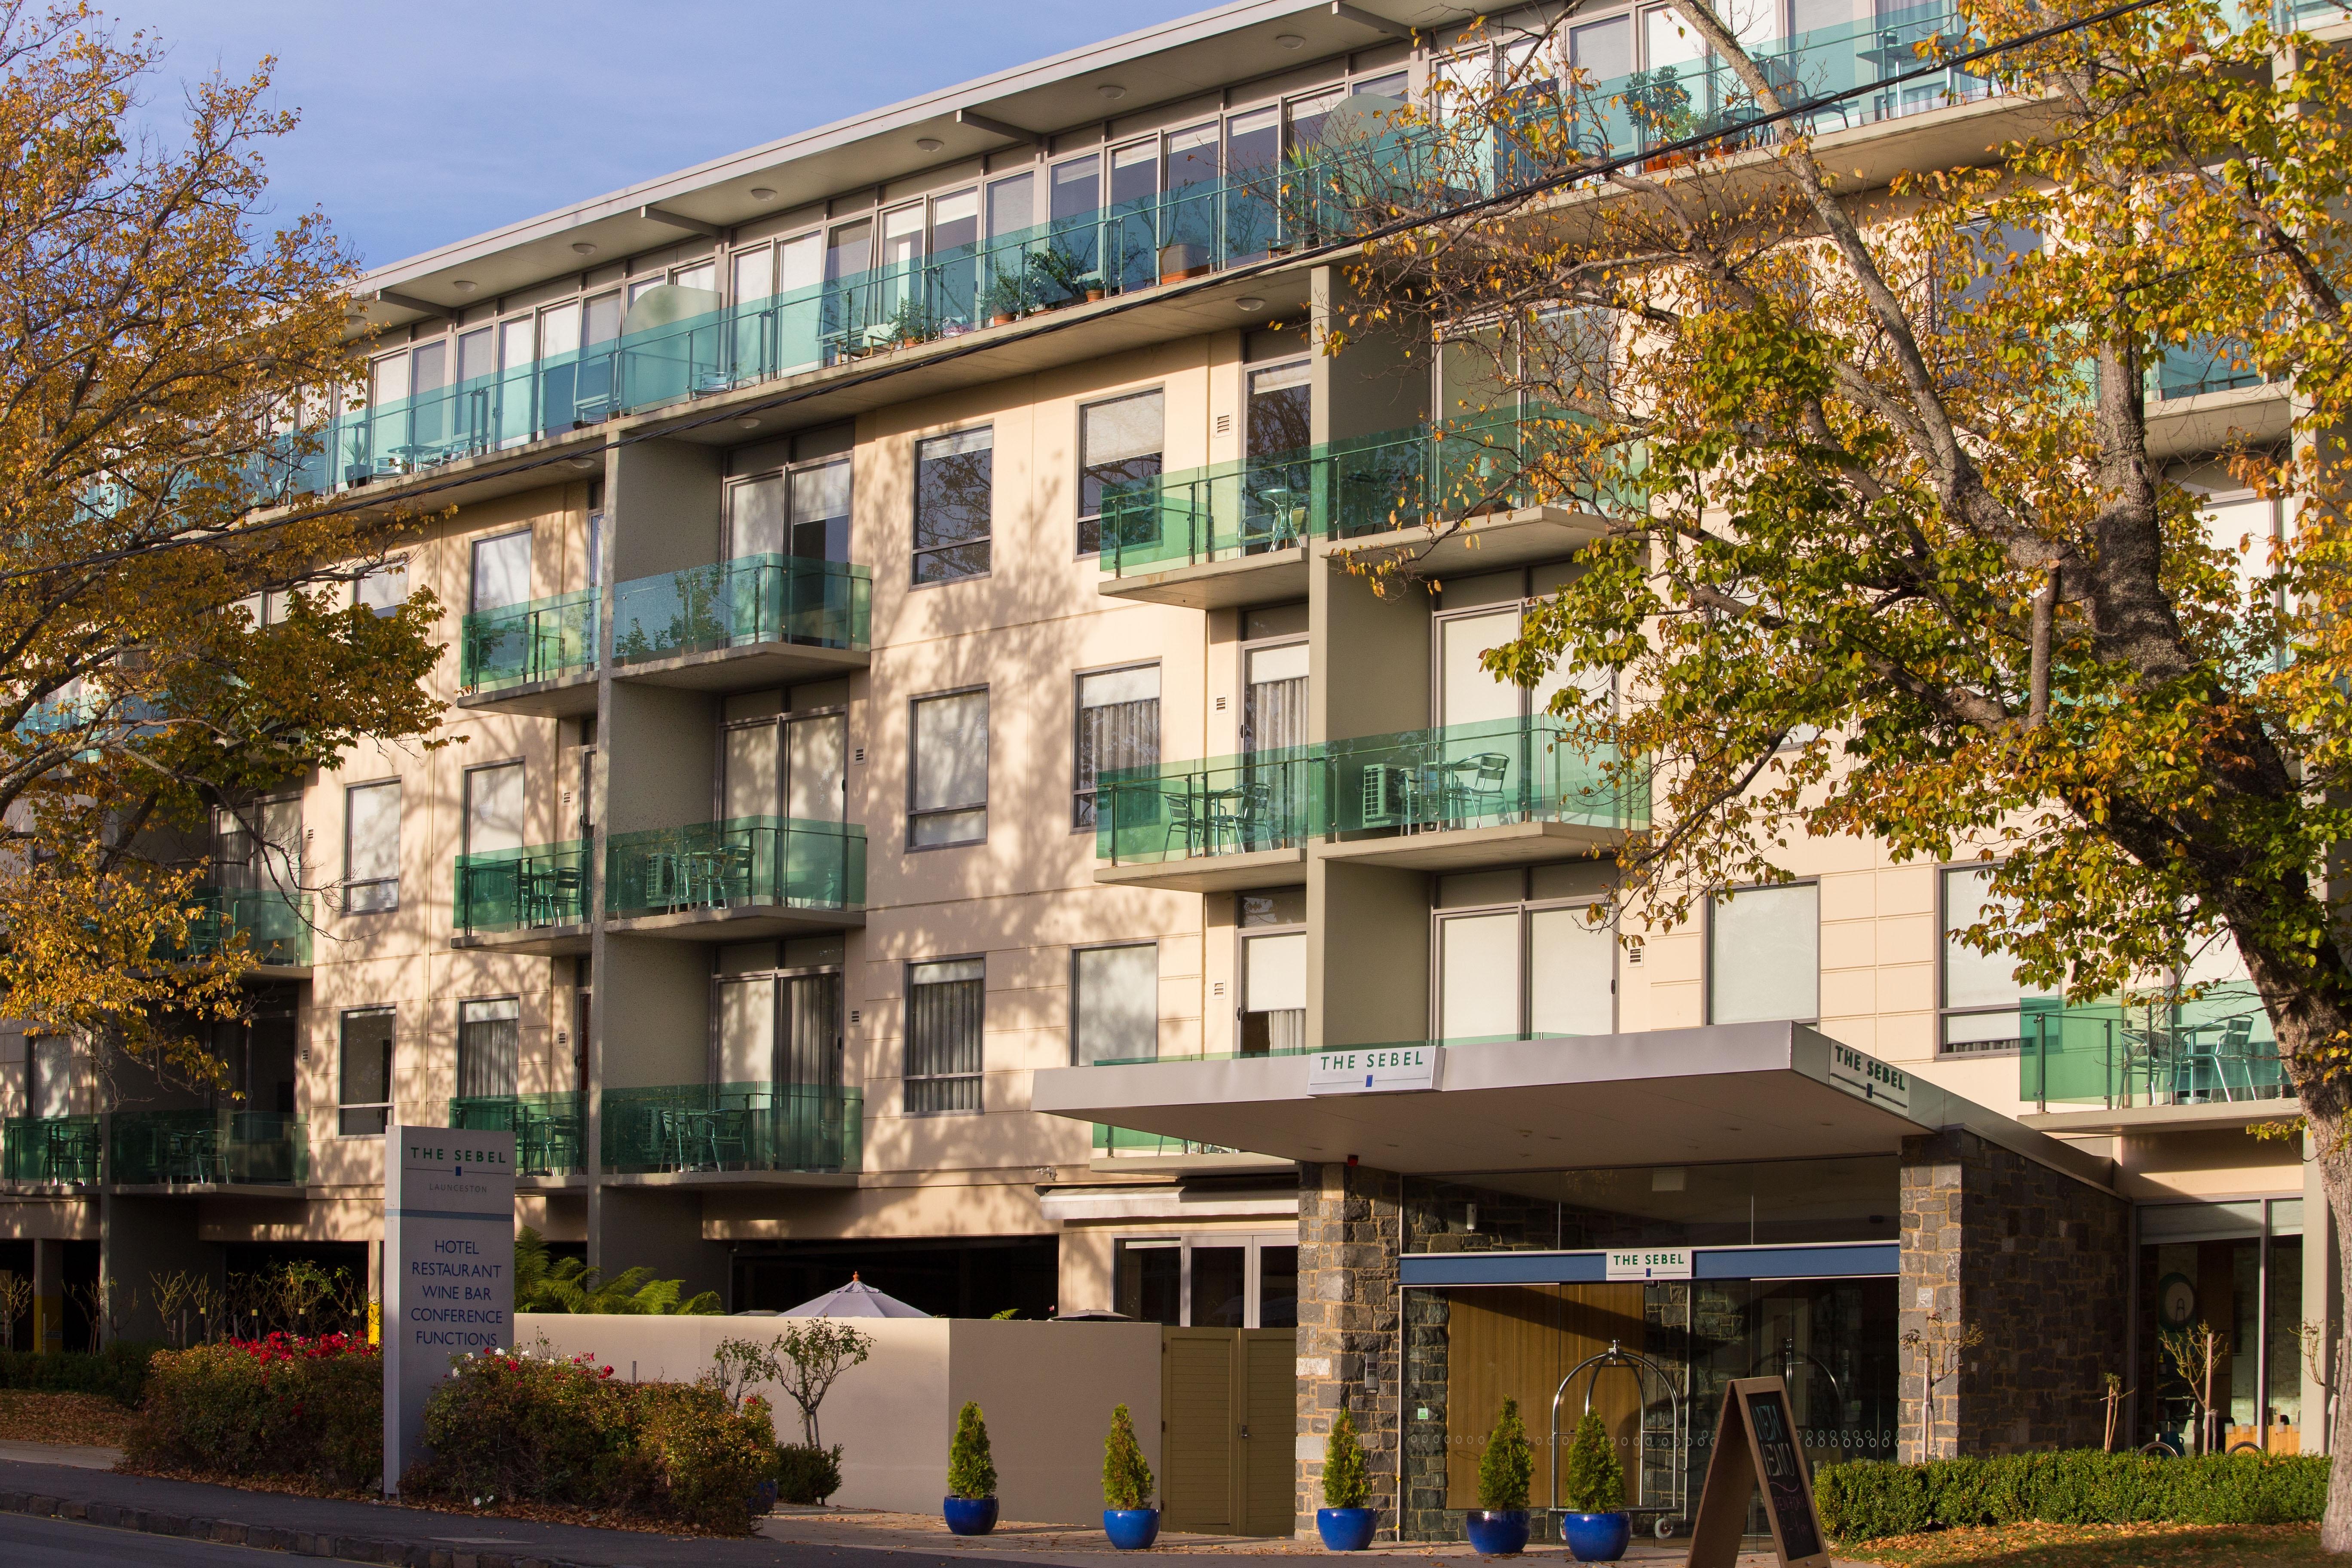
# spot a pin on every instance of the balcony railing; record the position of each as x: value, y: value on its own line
x: 712, y: 1127
x: 49, y: 1149
x: 206, y: 1148
x: 276, y: 925
x: 2200, y: 365
x: 548, y: 1127
x: 745, y: 862
x: 522, y: 889
x: 739, y: 604
x: 520, y: 643
x: 1467, y: 775
x: 2215, y: 1050
x: 1124, y: 1141
x: 1448, y: 1043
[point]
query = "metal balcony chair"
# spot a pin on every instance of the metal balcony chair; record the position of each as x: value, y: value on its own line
x: 1476, y: 787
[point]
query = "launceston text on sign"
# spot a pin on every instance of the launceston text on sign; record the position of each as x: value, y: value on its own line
x: 1373, y: 1070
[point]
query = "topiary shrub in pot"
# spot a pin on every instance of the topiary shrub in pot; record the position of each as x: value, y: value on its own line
x: 1597, y: 1527
x: 1346, y: 1519
x: 970, y: 1502
x: 1129, y: 1518
x: 1497, y: 1527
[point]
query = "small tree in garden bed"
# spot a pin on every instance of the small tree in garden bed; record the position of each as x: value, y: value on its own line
x: 1346, y: 1473
x: 1596, y: 1481
x: 1126, y: 1479
x: 1507, y: 1469
x: 815, y: 1353
x: 972, y: 1467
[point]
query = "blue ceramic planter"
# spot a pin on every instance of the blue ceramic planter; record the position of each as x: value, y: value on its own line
x: 1345, y: 1528
x: 762, y: 1500
x: 1496, y: 1532
x: 969, y: 1515
x: 1596, y: 1536
x: 1131, y: 1529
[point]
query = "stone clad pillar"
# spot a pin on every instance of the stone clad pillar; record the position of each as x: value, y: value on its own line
x: 1349, y: 1243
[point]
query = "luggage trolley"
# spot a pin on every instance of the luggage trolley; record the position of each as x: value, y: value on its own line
x: 1672, y: 1514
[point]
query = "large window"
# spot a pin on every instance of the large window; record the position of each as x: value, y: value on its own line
x: 365, y: 1100
x: 1764, y: 955
x: 1215, y: 1281
x: 501, y: 572
x: 382, y: 588
x: 955, y: 484
x: 948, y: 793
x: 1118, y: 727
x: 944, y: 1006
x: 489, y: 1041
x: 1981, y: 996
x: 1522, y: 971
x: 1115, y: 1003
x: 372, y: 847
x: 493, y: 808
x: 1271, y: 1016
x: 1120, y: 443
x: 800, y: 512
x: 258, y: 846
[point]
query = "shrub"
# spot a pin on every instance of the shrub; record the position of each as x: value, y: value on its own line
x: 1347, y: 1474
x: 710, y: 1456
x: 119, y: 1372
x: 806, y: 1475
x: 1507, y: 1469
x: 971, y: 1468
x: 1127, y: 1479
x: 309, y: 1409
x: 1596, y: 1481
x: 1866, y: 1499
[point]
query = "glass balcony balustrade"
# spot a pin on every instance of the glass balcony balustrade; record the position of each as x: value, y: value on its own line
x: 521, y: 644
x: 549, y: 1129
x: 1143, y: 1138
x: 206, y: 1148
x: 1126, y: 1142
x: 745, y: 862
x: 522, y: 889
x: 49, y: 1149
x: 728, y: 1127
x: 2217, y: 1048
x: 1220, y: 806
x: 2198, y: 366
x: 275, y: 924
x: 750, y: 600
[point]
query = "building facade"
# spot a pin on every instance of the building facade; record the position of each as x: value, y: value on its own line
x: 925, y: 794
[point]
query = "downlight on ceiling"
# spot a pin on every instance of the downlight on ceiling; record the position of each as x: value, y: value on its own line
x: 1249, y: 303
x: 582, y: 247
x: 929, y: 144
x: 1112, y: 91
x: 1289, y: 40
x: 464, y: 285
x: 762, y: 193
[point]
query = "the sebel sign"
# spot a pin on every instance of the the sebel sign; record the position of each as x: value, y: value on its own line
x: 1869, y: 1079
x: 449, y: 1268
x: 1373, y: 1070
x: 1649, y: 1263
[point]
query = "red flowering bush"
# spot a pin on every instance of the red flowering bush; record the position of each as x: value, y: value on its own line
x: 542, y: 1429
x: 308, y: 1409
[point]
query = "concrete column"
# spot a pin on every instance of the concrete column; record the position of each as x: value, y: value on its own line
x: 1350, y: 1339
x: 48, y: 1295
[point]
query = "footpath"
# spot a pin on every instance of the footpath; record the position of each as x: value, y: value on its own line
x: 361, y: 1531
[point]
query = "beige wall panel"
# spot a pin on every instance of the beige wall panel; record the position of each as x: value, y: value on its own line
x: 1000, y: 1208
x: 2207, y: 1164
x: 48, y: 1220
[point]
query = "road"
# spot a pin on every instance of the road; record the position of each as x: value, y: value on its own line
x: 60, y: 1543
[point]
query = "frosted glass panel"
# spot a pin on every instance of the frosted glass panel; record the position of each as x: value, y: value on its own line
x: 746, y: 1031
x: 1472, y: 696
x: 755, y: 518
x: 1478, y: 976
x: 1274, y: 973
x: 1570, y: 966
x: 1764, y: 955
x: 1117, y: 1011
x: 502, y: 571
x: 751, y: 772
x: 494, y: 810
x: 817, y: 747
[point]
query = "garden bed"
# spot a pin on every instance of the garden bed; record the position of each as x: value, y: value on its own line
x: 80, y: 1420
x: 2099, y: 1546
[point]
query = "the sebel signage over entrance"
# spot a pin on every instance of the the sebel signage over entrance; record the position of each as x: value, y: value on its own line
x: 449, y: 1268
x: 1649, y: 1263
x: 1869, y: 1079
x: 1373, y: 1070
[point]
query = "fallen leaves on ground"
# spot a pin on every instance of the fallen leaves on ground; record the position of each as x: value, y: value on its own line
x: 536, y: 1514
x: 2098, y: 1546
x: 86, y: 1419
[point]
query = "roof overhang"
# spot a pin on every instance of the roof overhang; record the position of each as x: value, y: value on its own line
x: 1737, y: 1092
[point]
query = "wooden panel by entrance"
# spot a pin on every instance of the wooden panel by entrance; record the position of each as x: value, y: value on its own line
x: 1228, y: 1435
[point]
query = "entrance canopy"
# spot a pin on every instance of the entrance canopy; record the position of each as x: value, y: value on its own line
x: 1732, y: 1091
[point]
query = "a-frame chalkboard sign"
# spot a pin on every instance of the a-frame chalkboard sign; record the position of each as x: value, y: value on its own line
x: 1756, y: 1445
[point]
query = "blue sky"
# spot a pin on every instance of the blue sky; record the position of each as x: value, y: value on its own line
x: 427, y: 121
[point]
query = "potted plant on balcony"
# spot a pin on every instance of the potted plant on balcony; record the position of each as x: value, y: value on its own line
x: 1004, y: 298
x: 1498, y: 1525
x: 1346, y: 1519
x: 970, y: 1502
x: 1129, y: 1518
x: 1596, y: 1526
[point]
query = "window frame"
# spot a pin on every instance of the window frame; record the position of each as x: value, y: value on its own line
x: 1708, y: 965
x: 1944, y: 1010
x: 914, y: 776
x: 921, y: 552
x: 1078, y: 447
x: 350, y: 883
x: 465, y: 803
x: 1252, y: 1245
x: 1077, y: 1057
x: 474, y: 568
x: 907, y: 1077
x: 1085, y: 801
x: 343, y: 1108
x: 457, y: 1059
x: 1527, y: 909
x: 1244, y: 934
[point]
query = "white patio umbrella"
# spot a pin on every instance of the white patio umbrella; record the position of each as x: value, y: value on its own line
x: 856, y: 1300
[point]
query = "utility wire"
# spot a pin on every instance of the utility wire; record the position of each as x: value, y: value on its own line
x: 575, y: 457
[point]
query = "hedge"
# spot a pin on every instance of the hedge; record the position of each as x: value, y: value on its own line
x: 309, y: 1410
x: 1864, y: 1499
x: 119, y: 1372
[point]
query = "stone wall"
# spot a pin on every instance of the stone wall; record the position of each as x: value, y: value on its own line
x: 2037, y: 1263
x: 1348, y: 1340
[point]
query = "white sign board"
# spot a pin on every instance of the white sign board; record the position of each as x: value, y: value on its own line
x: 1869, y: 1079
x: 1372, y: 1069
x: 449, y: 1268
x: 1650, y: 1263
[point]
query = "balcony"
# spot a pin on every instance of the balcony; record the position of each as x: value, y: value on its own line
x: 276, y: 925
x: 2216, y: 1050
x: 1495, y: 793
x: 734, y: 1134
x: 223, y: 1148
x: 549, y: 1129
x: 524, y: 901
x: 732, y: 880
x: 538, y: 658
x: 1122, y: 1149
x: 758, y: 620
x: 1211, y: 826
x: 49, y: 1151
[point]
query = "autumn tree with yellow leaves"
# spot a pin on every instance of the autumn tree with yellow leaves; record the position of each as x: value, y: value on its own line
x: 1896, y: 552
x: 159, y: 338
